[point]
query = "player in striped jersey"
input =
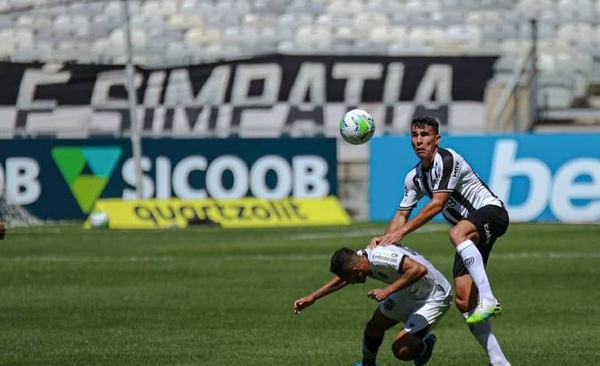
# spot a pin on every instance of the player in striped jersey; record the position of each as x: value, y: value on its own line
x: 477, y: 218
x: 417, y: 294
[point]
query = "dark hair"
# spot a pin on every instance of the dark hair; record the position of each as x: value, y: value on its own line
x: 342, y: 261
x: 421, y: 122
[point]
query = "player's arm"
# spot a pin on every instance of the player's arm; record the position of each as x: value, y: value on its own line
x: 400, y: 226
x: 331, y: 286
x: 411, y: 197
x: 432, y: 208
x: 411, y: 270
x: 396, y: 223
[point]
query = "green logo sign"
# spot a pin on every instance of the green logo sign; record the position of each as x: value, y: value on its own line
x: 86, y: 170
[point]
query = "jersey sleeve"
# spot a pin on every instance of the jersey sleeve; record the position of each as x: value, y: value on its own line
x: 412, y: 193
x: 447, y: 171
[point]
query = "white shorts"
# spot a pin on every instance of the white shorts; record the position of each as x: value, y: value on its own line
x: 417, y: 315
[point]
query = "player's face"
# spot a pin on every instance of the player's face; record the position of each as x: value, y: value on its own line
x: 424, y: 141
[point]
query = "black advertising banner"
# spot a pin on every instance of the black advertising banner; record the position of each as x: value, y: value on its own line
x: 267, y: 96
x: 63, y: 178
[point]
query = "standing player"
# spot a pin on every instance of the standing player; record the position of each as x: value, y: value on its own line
x: 417, y: 295
x: 477, y: 218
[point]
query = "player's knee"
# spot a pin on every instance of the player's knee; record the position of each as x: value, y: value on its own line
x: 402, y: 351
x: 456, y: 235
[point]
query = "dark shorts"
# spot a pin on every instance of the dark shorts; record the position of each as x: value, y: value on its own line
x: 491, y: 223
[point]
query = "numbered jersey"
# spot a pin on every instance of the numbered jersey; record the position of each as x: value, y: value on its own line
x: 386, y: 266
x: 451, y: 173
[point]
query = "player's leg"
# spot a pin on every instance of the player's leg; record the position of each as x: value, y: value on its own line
x: 414, y: 342
x: 473, y: 239
x: 466, y: 291
x: 466, y: 300
x: 407, y: 346
x: 464, y: 235
x: 373, y: 336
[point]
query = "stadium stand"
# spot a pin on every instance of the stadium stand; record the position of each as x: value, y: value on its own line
x: 206, y: 30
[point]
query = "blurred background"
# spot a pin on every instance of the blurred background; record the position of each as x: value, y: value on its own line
x: 203, y: 99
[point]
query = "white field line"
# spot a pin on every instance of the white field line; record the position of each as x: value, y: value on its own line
x: 503, y: 256
x: 283, y: 257
x: 67, y: 259
x: 358, y: 233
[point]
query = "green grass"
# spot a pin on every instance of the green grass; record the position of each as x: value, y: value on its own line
x: 224, y: 297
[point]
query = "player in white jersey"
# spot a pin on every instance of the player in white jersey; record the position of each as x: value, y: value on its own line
x: 477, y: 218
x: 417, y: 294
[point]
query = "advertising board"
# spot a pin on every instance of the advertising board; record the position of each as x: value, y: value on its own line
x: 62, y: 179
x: 540, y: 177
x: 248, y: 212
x: 267, y: 96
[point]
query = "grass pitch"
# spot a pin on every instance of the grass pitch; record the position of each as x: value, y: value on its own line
x: 215, y: 297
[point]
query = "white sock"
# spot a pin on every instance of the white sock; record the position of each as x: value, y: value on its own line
x: 474, y: 263
x: 483, y: 333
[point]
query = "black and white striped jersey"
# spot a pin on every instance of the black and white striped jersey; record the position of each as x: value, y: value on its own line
x: 449, y: 172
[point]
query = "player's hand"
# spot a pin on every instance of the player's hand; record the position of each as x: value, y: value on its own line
x: 386, y: 239
x: 303, y: 303
x: 379, y: 294
x: 375, y: 242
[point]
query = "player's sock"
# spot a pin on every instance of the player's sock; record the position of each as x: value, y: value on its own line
x: 483, y: 334
x: 370, y: 346
x: 474, y: 263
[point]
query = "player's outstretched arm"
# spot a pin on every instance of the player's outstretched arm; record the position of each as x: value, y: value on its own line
x: 331, y: 286
x: 395, y: 225
x: 397, y: 229
x: 428, y: 212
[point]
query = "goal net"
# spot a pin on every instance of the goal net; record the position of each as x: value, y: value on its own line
x: 14, y: 216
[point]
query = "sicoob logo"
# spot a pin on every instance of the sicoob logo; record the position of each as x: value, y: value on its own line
x: 86, y: 170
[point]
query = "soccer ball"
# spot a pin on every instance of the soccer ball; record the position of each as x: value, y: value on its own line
x: 99, y: 220
x: 357, y: 127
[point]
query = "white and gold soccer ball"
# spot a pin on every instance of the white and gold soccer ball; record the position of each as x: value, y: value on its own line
x: 357, y: 126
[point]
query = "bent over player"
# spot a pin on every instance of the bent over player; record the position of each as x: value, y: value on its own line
x: 417, y: 294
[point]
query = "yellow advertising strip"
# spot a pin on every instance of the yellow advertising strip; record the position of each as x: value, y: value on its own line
x: 239, y: 213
